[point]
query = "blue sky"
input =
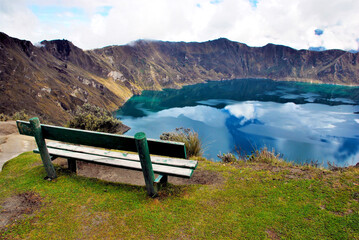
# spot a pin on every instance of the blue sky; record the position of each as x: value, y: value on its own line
x: 301, y: 24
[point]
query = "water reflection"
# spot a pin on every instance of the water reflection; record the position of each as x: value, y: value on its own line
x: 303, y: 122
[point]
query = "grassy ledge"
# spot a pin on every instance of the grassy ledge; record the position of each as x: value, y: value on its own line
x: 253, y: 200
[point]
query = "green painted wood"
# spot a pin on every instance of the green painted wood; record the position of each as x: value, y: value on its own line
x: 104, y: 140
x: 121, y: 163
x: 24, y: 128
x: 72, y: 164
x: 40, y: 141
x: 160, y: 181
x: 158, y: 178
x: 146, y: 164
x: 134, y: 157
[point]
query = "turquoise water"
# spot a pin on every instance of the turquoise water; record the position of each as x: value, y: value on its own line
x: 302, y: 122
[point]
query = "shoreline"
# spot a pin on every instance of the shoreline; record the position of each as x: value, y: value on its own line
x: 308, y: 81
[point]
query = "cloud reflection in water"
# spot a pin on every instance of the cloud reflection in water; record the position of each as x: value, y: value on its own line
x: 300, y: 132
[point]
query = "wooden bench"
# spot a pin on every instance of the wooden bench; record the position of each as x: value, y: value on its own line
x: 174, y: 164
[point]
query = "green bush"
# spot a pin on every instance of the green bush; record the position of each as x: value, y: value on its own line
x: 89, y: 117
x: 189, y: 138
x: 4, y: 117
x: 20, y: 116
x: 227, y: 157
x: 264, y: 155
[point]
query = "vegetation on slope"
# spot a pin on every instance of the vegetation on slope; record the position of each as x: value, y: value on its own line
x: 93, y: 118
x: 252, y: 200
x: 21, y: 115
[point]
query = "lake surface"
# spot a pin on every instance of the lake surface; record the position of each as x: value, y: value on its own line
x: 301, y: 121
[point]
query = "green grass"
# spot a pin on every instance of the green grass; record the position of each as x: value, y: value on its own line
x: 254, y: 201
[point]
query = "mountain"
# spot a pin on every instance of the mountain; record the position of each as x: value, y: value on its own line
x: 51, y: 79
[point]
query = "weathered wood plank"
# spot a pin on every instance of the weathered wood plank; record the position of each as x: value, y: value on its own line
x: 104, y: 140
x: 127, y: 156
x: 115, y: 162
x: 24, y: 128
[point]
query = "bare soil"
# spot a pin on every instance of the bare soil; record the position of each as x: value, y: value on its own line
x: 16, y: 207
x: 12, y: 143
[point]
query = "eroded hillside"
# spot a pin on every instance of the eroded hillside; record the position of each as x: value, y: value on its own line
x: 51, y: 79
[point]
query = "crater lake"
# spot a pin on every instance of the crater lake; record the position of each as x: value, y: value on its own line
x: 302, y: 122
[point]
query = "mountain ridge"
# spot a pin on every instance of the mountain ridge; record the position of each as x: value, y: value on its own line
x: 51, y: 79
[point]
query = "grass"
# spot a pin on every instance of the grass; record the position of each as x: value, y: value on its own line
x: 255, y: 200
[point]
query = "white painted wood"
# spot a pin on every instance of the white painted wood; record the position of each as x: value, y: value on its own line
x: 117, y: 162
x: 127, y: 156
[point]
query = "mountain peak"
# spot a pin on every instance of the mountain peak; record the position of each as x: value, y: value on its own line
x: 61, y: 49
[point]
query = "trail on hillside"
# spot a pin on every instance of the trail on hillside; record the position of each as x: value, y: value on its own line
x: 12, y: 143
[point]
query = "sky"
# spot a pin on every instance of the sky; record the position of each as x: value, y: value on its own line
x: 89, y: 24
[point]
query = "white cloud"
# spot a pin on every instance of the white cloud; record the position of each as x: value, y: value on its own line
x: 290, y: 23
x: 98, y: 25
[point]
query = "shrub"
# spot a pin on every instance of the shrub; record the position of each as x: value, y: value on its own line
x: 264, y: 155
x: 4, y: 117
x: 189, y: 138
x: 89, y: 117
x: 312, y: 163
x: 227, y: 157
x: 334, y: 168
x: 20, y: 115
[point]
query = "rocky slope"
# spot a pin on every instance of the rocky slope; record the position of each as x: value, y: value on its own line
x: 51, y: 79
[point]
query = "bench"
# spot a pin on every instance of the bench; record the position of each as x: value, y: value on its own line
x: 171, y: 162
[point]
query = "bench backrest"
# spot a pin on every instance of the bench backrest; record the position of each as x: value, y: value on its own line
x: 103, y: 140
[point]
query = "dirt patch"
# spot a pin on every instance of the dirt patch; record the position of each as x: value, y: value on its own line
x: 15, y: 207
x: 199, y: 176
x: 3, y: 140
x: 12, y: 143
x: 272, y: 234
x: 7, y: 128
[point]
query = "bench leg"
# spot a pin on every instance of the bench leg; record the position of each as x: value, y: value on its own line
x: 72, y: 164
x: 164, y: 180
x: 41, y: 144
x: 160, y: 181
x: 146, y: 164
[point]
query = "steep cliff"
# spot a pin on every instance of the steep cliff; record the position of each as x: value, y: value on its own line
x: 51, y: 79
x: 154, y: 64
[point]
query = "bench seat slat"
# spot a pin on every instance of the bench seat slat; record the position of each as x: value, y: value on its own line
x: 127, y: 156
x: 116, y: 162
